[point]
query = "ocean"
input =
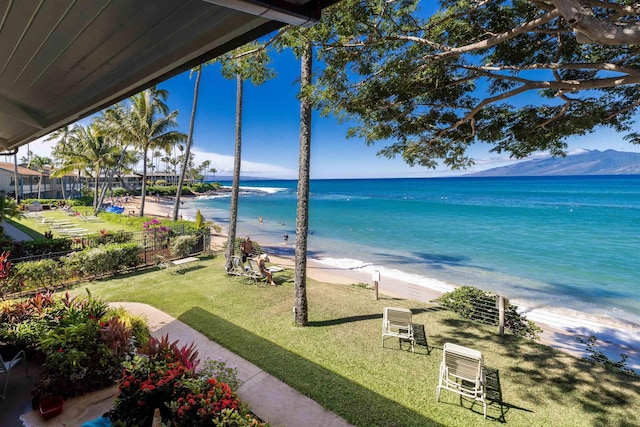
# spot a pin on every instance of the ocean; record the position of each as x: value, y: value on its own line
x: 564, y: 245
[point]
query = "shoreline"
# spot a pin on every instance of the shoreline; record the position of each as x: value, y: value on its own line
x: 560, y: 331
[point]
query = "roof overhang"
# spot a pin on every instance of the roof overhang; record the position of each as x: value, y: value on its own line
x: 61, y: 61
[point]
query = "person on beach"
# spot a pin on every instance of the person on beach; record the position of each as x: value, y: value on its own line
x: 262, y: 261
x: 246, y: 247
x: 260, y: 220
x: 286, y: 238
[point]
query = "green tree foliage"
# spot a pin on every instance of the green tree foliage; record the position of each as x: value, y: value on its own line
x: 513, y: 74
x: 476, y: 304
x: 149, y: 124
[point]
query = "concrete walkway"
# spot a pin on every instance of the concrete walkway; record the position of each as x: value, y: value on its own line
x: 14, y: 233
x: 270, y: 399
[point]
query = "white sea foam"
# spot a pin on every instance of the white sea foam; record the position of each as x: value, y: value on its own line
x: 213, y: 196
x: 354, y: 264
x: 268, y: 190
x: 625, y: 337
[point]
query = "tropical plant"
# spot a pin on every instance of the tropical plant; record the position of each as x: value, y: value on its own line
x: 81, y: 341
x: 182, y: 245
x: 432, y: 78
x: 597, y: 356
x: 157, y: 233
x: 8, y: 282
x: 9, y: 208
x: 90, y: 150
x: 476, y: 304
x: 39, y: 163
x: 196, y: 90
x: 148, y: 125
x: 166, y: 379
x: 249, y: 62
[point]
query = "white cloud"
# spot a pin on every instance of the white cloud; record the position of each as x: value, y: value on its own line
x: 248, y: 168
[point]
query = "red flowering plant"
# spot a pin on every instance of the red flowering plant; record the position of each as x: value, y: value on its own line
x: 166, y: 378
x: 9, y: 283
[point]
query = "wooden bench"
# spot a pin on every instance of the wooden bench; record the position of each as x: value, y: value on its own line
x: 177, y: 264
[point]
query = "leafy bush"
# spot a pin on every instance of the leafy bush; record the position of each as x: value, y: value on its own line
x: 597, y: 356
x: 40, y: 247
x: 38, y: 274
x: 476, y: 304
x: 8, y: 282
x: 182, y: 246
x: 219, y: 370
x: 102, y: 260
x: 81, y: 341
x: 166, y: 379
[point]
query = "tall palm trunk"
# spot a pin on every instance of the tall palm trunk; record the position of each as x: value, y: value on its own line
x: 144, y: 183
x: 40, y: 185
x: 95, y: 193
x: 15, y: 176
x: 196, y: 90
x: 235, y: 186
x: 302, y: 212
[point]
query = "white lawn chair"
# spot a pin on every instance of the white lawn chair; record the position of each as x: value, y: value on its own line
x: 396, y: 322
x: 236, y: 268
x: 5, y: 367
x: 462, y: 372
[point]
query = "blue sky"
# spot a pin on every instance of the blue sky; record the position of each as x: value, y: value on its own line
x: 270, y: 135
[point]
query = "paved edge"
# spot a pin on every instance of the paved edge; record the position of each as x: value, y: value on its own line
x: 269, y: 398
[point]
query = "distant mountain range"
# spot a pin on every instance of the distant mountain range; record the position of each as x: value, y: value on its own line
x: 588, y: 162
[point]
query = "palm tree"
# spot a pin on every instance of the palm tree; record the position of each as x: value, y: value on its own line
x: 148, y: 125
x: 302, y: 212
x: 92, y: 152
x: 213, y: 171
x: 61, y: 136
x: 38, y: 163
x: 251, y: 62
x: 196, y: 90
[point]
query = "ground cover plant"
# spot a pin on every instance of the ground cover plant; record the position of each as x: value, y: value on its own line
x: 338, y: 359
x: 80, y: 341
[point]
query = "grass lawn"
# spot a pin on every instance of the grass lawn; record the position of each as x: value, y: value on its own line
x: 35, y: 228
x: 339, y: 362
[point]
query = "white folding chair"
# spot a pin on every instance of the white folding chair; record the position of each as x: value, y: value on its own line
x: 5, y: 367
x: 462, y: 372
x: 396, y: 322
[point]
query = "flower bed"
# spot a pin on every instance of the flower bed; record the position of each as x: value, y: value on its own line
x: 166, y: 379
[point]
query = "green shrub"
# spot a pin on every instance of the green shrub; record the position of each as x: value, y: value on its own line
x: 40, y: 274
x: 182, y: 246
x: 476, y: 304
x: 84, y: 348
x: 598, y: 357
x: 40, y: 247
x: 166, y: 379
x: 106, y: 259
x: 219, y: 370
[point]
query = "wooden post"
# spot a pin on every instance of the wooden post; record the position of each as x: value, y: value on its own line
x: 501, y: 314
x: 376, y: 278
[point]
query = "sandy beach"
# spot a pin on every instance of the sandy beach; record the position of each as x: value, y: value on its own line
x: 556, y: 334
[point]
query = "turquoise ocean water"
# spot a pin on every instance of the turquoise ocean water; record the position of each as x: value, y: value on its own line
x: 561, y: 244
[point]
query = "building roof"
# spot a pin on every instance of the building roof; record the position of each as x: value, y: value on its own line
x: 63, y: 60
x: 21, y: 169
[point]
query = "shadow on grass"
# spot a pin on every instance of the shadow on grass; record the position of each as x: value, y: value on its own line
x: 365, y: 317
x: 563, y: 378
x: 330, y: 390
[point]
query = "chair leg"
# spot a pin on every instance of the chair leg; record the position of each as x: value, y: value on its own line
x: 6, y: 382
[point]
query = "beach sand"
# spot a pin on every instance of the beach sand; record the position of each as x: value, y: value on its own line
x: 611, y: 341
